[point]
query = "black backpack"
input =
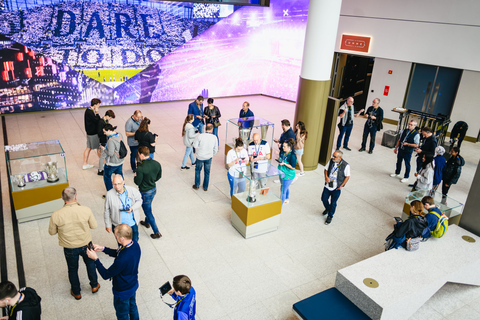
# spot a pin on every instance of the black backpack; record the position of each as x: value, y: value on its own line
x: 122, y: 153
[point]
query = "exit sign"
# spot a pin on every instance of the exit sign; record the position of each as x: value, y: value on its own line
x: 355, y: 43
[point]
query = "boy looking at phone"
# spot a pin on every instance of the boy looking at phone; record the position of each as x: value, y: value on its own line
x: 185, y: 296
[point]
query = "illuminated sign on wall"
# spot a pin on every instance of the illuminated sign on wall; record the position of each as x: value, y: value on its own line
x: 355, y: 43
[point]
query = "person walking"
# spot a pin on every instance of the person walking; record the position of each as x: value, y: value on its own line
x: 189, y: 135
x: 346, y: 115
x: 206, y: 145
x: 301, y: 136
x: 212, y: 115
x: 337, y: 174
x: 123, y: 271
x: 73, y: 223
x: 148, y: 173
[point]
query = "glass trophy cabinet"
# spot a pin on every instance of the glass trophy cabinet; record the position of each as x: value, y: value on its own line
x: 450, y: 207
x: 256, y: 209
x: 245, y: 128
x: 38, y: 175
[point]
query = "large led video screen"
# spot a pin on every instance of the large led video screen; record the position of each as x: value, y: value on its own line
x: 253, y: 51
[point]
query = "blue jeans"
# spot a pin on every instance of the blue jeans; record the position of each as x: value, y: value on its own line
x: 188, y: 153
x: 403, y: 156
x: 151, y: 155
x: 333, y: 195
x: 236, y: 183
x: 126, y: 309
x: 285, y: 189
x: 200, y: 127
x: 215, y: 131
x: 133, y: 157
x: 347, y: 131
x: 134, y: 232
x: 107, y: 175
x: 198, y: 169
x: 147, y: 198
x: 72, y: 255
x: 373, y: 132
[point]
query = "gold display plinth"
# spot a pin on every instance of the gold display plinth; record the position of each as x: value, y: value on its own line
x: 255, y: 220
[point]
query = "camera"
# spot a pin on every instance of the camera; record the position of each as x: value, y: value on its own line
x: 127, y: 207
x: 165, y: 288
x: 255, y: 165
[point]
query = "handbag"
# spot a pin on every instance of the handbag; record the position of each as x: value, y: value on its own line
x: 217, y: 123
x: 413, y: 244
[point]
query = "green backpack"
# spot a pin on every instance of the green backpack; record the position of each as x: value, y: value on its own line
x: 442, y: 225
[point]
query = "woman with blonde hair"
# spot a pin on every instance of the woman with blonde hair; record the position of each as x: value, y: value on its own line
x: 189, y: 135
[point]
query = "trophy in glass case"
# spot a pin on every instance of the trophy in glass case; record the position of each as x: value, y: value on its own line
x: 264, y: 130
x: 252, y: 196
x: 52, y: 171
x: 20, y: 179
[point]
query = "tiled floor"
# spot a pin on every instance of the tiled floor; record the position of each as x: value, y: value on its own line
x: 258, y: 278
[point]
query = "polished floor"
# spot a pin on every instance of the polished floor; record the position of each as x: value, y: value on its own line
x: 258, y: 278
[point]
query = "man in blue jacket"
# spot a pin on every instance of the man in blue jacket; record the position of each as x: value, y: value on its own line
x: 196, y: 108
x: 185, y: 296
x: 123, y: 271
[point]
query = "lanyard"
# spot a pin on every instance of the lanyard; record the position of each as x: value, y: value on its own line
x: 16, y: 303
x: 336, y: 168
x: 408, y: 134
x: 257, y: 150
x: 123, y: 247
x: 124, y: 205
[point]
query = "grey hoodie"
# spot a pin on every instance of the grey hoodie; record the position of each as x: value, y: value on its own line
x: 112, y: 149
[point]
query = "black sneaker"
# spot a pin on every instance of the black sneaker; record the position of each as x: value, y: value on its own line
x: 194, y: 163
x: 104, y: 196
x: 371, y: 151
x: 100, y: 172
x: 361, y: 149
x: 325, y: 212
x: 184, y: 168
x: 329, y: 220
x: 347, y: 148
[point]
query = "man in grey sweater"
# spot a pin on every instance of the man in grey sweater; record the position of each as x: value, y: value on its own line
x: 206, y: 145
x: 113, y: 163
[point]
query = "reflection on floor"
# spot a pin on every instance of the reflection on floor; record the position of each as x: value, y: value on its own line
x: 258, y: 278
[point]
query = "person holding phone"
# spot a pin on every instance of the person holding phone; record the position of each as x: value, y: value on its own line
x: 337, y: 173
x: 73, y: 223
x: 237, y: 160
x: 21, y: 304
x: 185, y: 296
x: 145, y: 138
x: 286, y: 163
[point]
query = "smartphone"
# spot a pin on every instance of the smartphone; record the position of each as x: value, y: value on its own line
x: 398, y: 219
x: 90, y: 246
x: 278, y: 160
x: 165, y: 288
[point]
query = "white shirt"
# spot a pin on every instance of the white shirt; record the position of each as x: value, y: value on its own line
x: 240, y: 164
x: 334, y: 174
x: 259, y: 151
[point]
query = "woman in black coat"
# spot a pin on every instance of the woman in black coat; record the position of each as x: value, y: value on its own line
x: 452, y: 171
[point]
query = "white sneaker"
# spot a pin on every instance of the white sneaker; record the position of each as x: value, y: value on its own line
x: 87, y: 166
x: 404, y: 180
x: 286, y: 201
x: 393, y: 175
x: 301, y: 174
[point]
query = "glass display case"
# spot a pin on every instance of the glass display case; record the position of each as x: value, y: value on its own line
x: 245, y: 128
x: 256, y: 207
x: 452, y: 208
x: 38, y: 174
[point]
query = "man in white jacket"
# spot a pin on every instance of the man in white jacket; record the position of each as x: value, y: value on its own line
x: 206, y: 145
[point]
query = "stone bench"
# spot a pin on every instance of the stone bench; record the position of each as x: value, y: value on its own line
x: 330, y: 304
x: 406, y: 280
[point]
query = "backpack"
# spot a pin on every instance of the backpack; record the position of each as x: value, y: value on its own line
x: 442, y: 225
x: 122, y: 152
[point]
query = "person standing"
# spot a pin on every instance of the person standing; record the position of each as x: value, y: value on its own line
x: 458, y: 133
x: 206, y: 145
x: 123, y: 271
x: 185, y: 295
x: 286, y: 163
x: 286, y: 135
x: 425, y: 175
x: 373, y: 124
x: 113, y: 162
x: 91, y: 119
x: 20, y: 305
x: 196, y: 109
x: 432, y: 216
x: 440, y: 163
x: 109, y: 115
x: 452, y: 172
x: 408, y: 141
x: 245, y: 112
x: 259, y: 153
x: 131, y: 126
x: 427, y: 145
x: 189, y: 135
x: 73, y: 223
x: 337, y: 174
x: 237, y: 161
x: 148, y: 173
x: 212, y: 115
x: 301, y: 135
x: 346, y: 115
x: 145, y: 138
x: 122, y: 205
